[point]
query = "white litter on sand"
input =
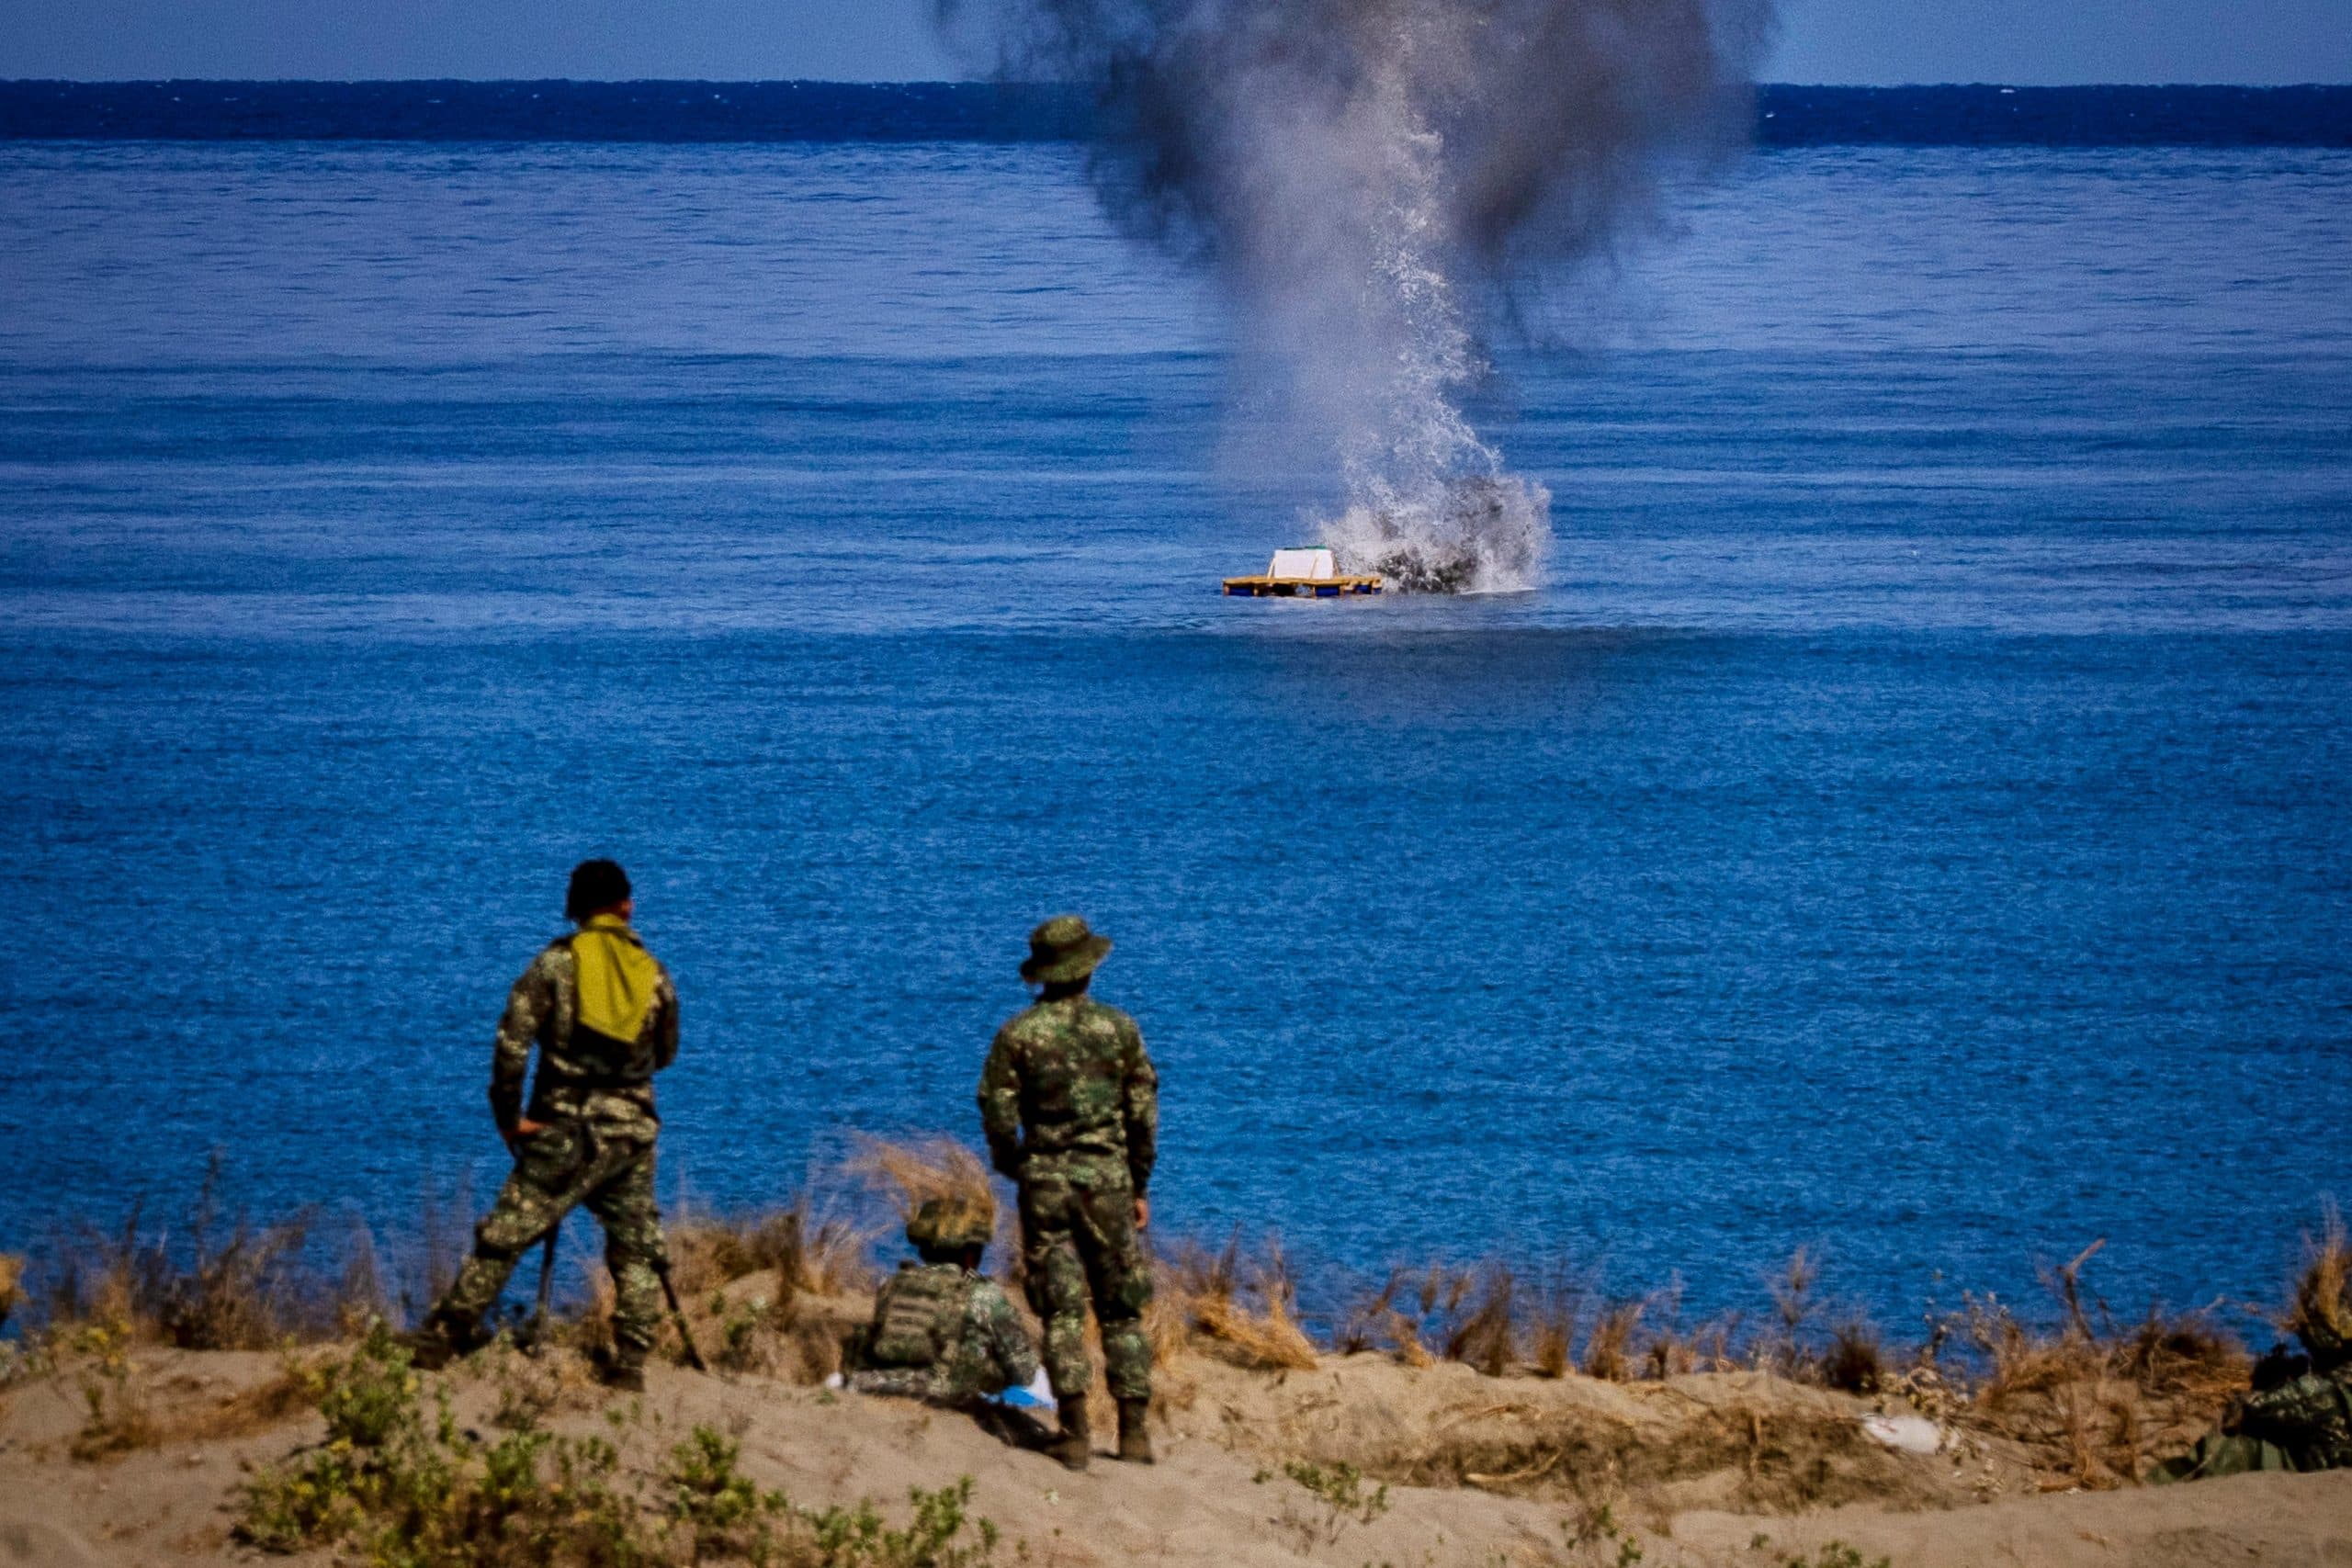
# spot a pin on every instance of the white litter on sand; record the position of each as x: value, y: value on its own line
x: 1912, y: 1434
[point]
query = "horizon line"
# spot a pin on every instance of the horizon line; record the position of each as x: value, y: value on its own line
x: 982, y: 82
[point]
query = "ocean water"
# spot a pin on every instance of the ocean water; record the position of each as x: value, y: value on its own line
x: 1912, y: 821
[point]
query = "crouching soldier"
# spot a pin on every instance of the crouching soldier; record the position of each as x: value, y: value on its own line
x: 2298, y: 1415
x: 604, y: 1016
x: 1070, y: 1105
x: 941, y: 1331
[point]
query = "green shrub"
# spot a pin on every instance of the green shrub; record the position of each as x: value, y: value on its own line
x: 370, y: 1399
x: 858, y: 1538
x: 397, y: 1490
x: 1340, y: 1489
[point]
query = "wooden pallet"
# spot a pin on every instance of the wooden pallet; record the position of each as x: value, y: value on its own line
x: 1299, y: 587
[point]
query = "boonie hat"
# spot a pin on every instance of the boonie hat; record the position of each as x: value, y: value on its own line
x: 1063, y: 950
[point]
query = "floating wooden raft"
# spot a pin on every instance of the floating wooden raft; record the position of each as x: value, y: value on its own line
x: 1308, y: 573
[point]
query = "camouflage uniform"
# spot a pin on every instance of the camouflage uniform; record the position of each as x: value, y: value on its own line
x: 2303, y: 1422
x: 596, y: 1094
x: 2309, y: 1418
x: 1073, y: 1074
x: 943, y: 1334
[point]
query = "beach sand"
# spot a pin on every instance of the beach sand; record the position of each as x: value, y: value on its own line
x: 1704, y: 1470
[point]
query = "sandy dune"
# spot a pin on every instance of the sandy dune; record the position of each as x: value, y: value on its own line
x: 1739, y: 1469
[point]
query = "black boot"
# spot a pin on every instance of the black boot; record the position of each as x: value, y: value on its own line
x: 621, y: 1369
x: 438, y: 1340
x: 1135, y: 1437
x: 1073, y: 1448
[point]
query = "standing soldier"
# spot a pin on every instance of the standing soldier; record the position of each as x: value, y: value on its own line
x: 604, y: 1016
x: 1070, y: 1106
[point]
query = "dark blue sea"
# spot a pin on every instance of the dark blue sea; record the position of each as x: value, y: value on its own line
x: 1913, y: 820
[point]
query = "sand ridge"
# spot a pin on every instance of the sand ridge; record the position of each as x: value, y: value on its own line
x: 1707, y: 1471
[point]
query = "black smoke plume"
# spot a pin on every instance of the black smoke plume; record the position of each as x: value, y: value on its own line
x: 1373, y: 181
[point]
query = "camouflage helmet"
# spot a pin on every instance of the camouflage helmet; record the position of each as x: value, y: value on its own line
x: 949, y: 1224
x: 1063, y: 950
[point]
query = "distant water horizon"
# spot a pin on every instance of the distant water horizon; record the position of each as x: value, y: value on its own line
x: 1784, y: 115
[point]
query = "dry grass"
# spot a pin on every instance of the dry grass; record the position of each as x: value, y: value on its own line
x: 1854, y: 1361
x: 765, y: 1288
x: 1379, y: 1320
x: 1794, y: 1292
x: 818, y: 1256
x: 12, y: 1285
x: 1486, y: 1333
x: 118, y: 1421
x: 2094, y: 1403
x: 2320, y: 1312
x: 913, y: 1172
x: 443, y: 1240
x: 1609, y: 1348
x: 1241, y: 1311
x: 222, y: 1287
x: 2091, y: 1400
x: 1491, y: 1318
x: 1488, y: 1317
x: 256, y: 1409
x: 1552, y: 1311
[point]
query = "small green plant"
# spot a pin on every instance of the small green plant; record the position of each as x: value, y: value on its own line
x: 738, y: 1333
x: 527, y: 1392
x: 370, y: 1398
x: 1837, y: 1554
x: 1340, y: 1489
x: 117, y: 1421
x: 1594, y: 1533
x: 858, y: 1538
x: 716, y: 1503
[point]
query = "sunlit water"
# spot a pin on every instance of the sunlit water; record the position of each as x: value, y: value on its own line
x: 1913, y: 821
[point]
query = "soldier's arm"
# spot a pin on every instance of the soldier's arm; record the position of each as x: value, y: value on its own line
x: 1007, y: 1341
x: 1001, y: 1105
x: 531, y: 1001
x: 1139, y: 1109
x: 665, y: 1025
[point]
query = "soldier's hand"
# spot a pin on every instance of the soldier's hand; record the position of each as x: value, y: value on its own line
x: 525, y: 1128
x: 1143, y: 1213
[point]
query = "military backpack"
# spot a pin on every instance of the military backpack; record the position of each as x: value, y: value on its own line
x: 920, y: 1319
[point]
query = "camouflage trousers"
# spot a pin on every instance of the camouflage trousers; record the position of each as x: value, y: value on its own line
x: 934, y: 1385
x: 1078, y: 1245
x: 556, y: 1171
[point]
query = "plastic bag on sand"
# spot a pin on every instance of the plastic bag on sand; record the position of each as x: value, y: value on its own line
x: 1037, y: 1394
x: 1911, y: 1434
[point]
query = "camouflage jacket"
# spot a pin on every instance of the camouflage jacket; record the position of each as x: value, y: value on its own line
x: 581, y: 1075
x: 2310, y: 1418
x: 1070, y: 1091
x: 943, y: 1333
